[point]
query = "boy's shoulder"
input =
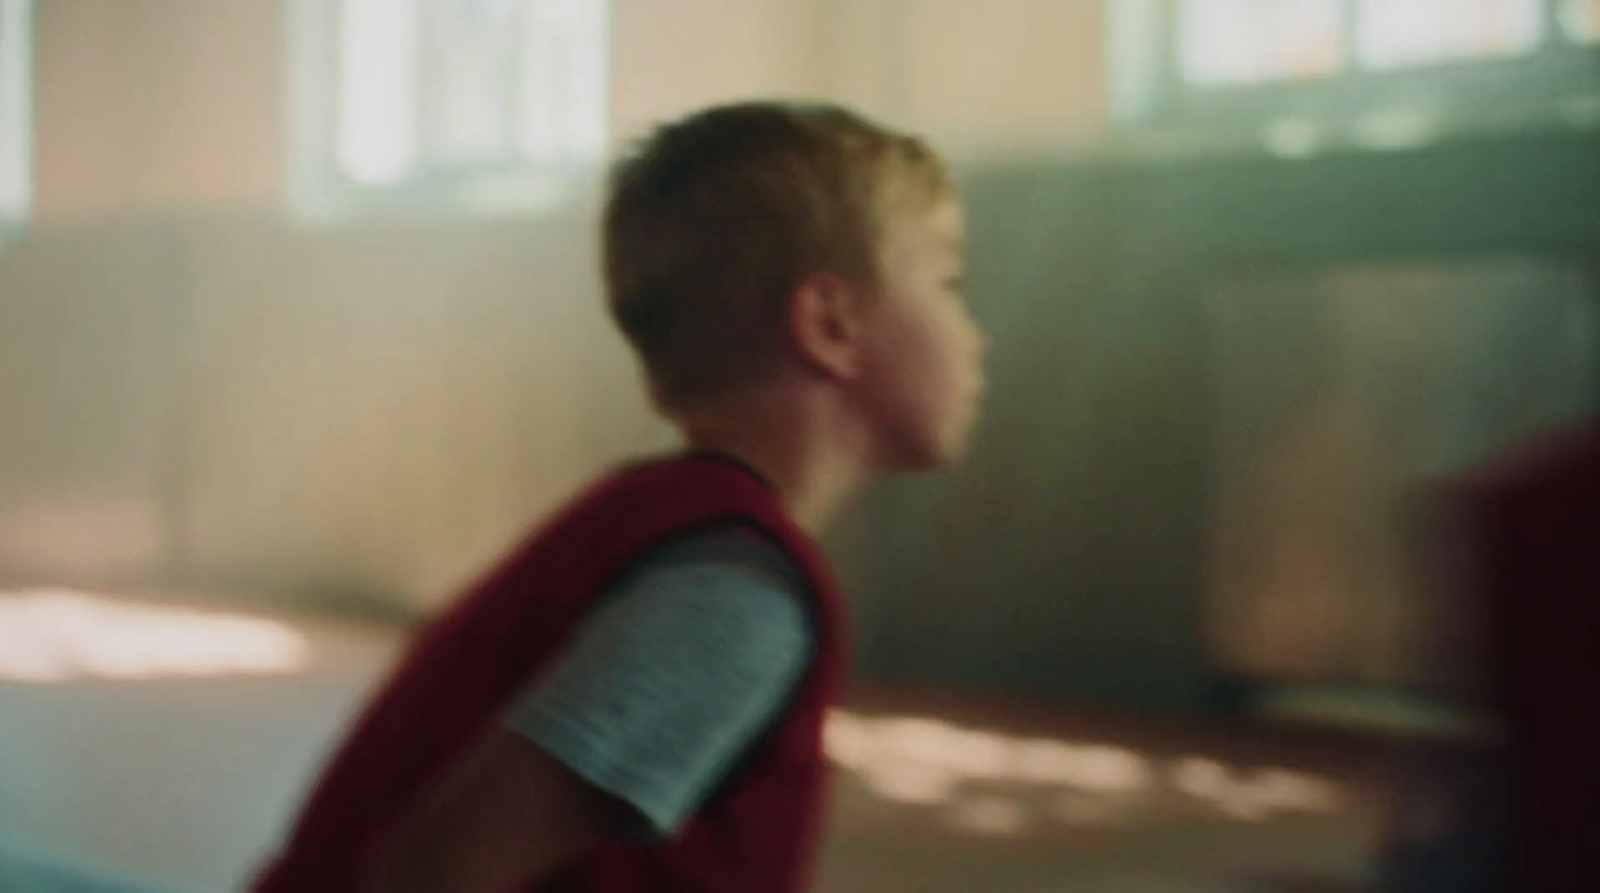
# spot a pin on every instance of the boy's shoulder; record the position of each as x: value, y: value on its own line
x: 677, y: 484
x: 634, y: 509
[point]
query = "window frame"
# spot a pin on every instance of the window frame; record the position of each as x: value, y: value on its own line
x: 1557, y: 81
x: 320, y: 189
x: 17, y: 122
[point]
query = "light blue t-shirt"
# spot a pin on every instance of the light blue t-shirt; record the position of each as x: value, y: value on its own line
x: 681, y: 668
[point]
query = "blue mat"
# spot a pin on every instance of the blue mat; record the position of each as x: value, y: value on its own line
x: 25, y: 871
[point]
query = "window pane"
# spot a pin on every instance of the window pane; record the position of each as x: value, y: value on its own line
x: 1249, y: 41
x: 1398, y: 33
x: 377, y: 130
x: 16, y: 128
x: 1582, y: 20
x: 430, y: 86
x: 563, y: 77
x: 472, y: 80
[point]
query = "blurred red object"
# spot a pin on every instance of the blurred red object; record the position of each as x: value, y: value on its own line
x: 1533, y: 530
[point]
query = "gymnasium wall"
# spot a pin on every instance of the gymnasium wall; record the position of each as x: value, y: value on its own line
x: 201, y: 393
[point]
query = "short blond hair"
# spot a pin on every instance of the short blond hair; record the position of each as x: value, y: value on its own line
x: 712, y: 221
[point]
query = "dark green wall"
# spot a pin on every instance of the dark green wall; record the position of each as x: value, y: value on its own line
x: 1066, y: 557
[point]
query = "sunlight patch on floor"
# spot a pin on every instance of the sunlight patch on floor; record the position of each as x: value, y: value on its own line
x: 968, y: 772
x: 61, y: 635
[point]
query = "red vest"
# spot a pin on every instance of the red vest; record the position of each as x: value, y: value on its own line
x: 1536, y: 523
x: 758, y: 833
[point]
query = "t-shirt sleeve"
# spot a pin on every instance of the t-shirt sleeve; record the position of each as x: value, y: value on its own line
x: 677, y: 672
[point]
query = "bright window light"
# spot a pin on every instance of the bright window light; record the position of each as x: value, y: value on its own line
x: 60, y: 635
x: 377, y: 140
x: 440, y: 87
x: 1400, y: 33
x: 16, y: 119
x: 1248, y: 41
x: 1238, y: 42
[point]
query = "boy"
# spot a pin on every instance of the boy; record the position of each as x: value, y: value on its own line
x: 634, y: 700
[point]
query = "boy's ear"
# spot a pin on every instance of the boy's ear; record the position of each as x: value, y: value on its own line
x: 825, y: 324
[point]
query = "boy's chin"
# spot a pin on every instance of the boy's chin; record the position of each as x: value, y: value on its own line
x: 930, y: 457
x: 951, y: 457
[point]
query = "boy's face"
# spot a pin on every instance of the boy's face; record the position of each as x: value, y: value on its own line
x: 922, y: 360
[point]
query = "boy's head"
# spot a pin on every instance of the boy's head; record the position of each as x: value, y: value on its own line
x: 755, y: 241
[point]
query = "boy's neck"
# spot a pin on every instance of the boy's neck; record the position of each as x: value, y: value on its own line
x: 814, y: 470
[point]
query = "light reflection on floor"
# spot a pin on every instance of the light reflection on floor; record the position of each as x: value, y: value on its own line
x: 988, y: 782
x: 60, y: 635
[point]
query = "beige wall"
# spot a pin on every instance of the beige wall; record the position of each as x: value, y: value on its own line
x: 89, y: 327
x: 1007, y: 78
x: 177, y: 105
x: 377, y: 412
x: 672, y: 57
x: 360, y: 415
x: 157, y: 104
x: 997, y: 77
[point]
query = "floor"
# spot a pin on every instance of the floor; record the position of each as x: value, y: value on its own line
x: 160, y: 750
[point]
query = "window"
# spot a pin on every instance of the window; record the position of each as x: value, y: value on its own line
x: 1225, y: 42
x: 1391, y: 35
x: 1328, y: 57
x: 430, y: 98
x: 16, y: 119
